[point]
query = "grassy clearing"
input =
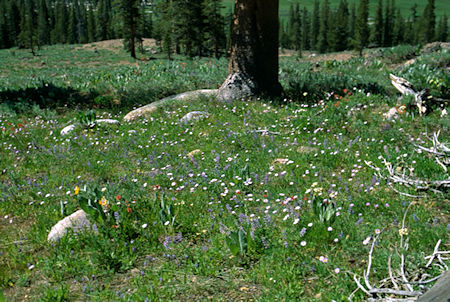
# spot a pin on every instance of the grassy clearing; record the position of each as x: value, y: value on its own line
x: 234, y: 220
x: 404, y: 5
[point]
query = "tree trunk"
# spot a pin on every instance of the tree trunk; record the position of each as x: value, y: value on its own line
x: 253, y: 64
x: 132, y: 38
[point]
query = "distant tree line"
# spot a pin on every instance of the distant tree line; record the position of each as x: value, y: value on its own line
x: 349, y: 27
x: 200, y: 28
x: 194, y: 27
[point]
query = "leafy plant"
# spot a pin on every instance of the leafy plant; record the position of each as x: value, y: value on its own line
x: 89, y: 201
x: 59, y: 294
x: 88, y: 119
x: 166, y: 212
x: 324, y: 210
x: 237, y: 242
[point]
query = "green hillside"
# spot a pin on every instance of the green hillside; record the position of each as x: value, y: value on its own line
x: 442, y: 6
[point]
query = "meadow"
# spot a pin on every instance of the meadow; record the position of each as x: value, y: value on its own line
x: 263, y: 200
x: 442, y: 6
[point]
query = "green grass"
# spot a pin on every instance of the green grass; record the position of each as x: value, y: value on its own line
x: 177, y: 211
x: 442, y: 6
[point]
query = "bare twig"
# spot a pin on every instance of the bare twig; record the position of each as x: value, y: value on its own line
x: 405, y: 194
x: 436, y: 250
x: 369, y: 264
x: 390, y: 272
x: 427, y: 281
x: 360, y: 286
x: 402, y: 273
x: 395, y: 292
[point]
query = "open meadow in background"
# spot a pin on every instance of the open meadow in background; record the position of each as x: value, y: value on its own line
x: 227, y: 207
x: 442, y: 7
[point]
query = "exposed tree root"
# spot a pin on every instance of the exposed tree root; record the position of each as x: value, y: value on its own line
x: 185, y: 96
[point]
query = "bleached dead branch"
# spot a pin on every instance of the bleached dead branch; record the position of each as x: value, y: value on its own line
x: 402, y: 287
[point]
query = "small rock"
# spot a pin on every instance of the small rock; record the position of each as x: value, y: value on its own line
x: 67, y: 130
x: 107, y: 121
x: 193, y: 116
x: 76, y: 221
x: 280, y: 161
x: 306, y: 149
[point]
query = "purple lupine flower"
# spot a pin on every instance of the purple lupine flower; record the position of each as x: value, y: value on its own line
x: 303, y: 232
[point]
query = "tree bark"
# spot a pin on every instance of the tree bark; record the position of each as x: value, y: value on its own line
x: 253, y: 64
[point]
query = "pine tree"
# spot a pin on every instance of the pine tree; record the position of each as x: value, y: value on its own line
x: 130, y: 13
x: 399, y: 29
x: 147, y: 21
x: 298, y: 30
x: 4, y: 36
x: 28, y: 35
x: 306, y: 29
x: 82, y: 22
x: 315, y: 24
x: 14, y: 22
x: 163, y: 32
x: 285, y: 41
x: 72, y: 35
x: 442, y: 29
x: 352, y: 22
x: 428, y: 22
x: 322, y: 42
x: 59, y: 32
x: 43, y: 24
x: 189, y: 23
x: 91, y: 25
x: 411, y: 29
x: 103, y: 17
x: 361, y: 26
x: 338, y: 37
x: 214, y: 31
x: 387, y: 34
x: 378, y: 26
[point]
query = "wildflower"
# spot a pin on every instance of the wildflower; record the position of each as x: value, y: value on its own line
x: 337, y: 270
x: 103, y: 201
x: 118, y: 197
x: 77, y: 190
x: 296, y: 220
x: 403, y: 231
x: 367, y: 240
x: 303, y: 243
x: 129, y: 210
x: 377, y: 231
x: 103, y: 189
x: 330, y: 229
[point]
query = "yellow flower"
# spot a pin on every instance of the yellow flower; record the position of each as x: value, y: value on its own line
x: 77, y: 190
x: 103, y: 201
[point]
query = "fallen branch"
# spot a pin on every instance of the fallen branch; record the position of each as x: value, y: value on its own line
x: 395, y: 292
x: 422, y: 99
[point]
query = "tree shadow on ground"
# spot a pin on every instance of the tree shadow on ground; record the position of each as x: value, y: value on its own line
x: 46, y: 95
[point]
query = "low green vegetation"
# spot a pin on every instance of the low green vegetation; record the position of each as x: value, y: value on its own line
x: 267, y: 200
